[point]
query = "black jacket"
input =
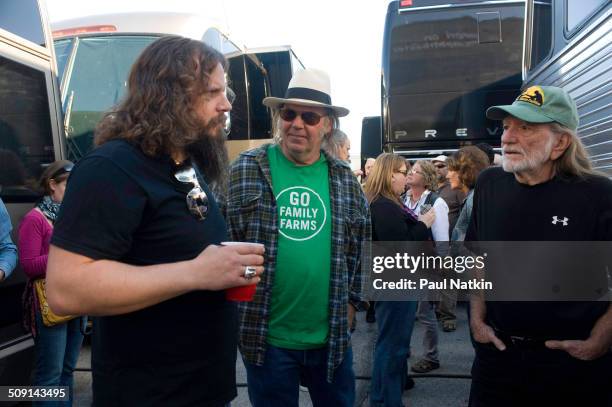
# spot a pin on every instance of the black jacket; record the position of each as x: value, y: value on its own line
x: 391, y: 223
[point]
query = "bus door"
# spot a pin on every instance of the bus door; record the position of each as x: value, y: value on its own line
x: 30, y: 139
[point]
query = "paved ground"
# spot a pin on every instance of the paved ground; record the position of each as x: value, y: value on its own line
x: 455, y: 356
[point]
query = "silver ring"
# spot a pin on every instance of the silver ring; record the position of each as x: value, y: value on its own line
x: 249, y: 272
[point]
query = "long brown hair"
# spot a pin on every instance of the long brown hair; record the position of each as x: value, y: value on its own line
x: 167, y: 83
x: 378, y: 183
x: 468, y: 162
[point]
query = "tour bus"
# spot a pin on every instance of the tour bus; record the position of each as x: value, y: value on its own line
x: 445, y: 62
x: 31, y: 137
x: 95, y: 53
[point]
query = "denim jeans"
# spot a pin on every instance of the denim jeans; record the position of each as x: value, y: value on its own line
x: 395, y: 321
x: 276, y: 382
x: 426, y: 312
x: 447, y: 307
x: 57, y: 352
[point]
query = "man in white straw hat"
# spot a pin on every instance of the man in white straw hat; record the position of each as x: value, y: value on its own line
x: 309, y: 211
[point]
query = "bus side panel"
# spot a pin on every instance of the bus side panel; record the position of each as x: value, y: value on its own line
x: 584, y: 68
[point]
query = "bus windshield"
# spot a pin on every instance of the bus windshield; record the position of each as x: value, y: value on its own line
x: 442, y: 66
x: 95, y: 82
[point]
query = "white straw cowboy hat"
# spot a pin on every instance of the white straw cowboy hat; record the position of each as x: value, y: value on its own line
x: 308, y: 87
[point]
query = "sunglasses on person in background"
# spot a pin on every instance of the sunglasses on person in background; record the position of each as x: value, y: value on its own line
x: 310, y: 118
x: 63, y: 170
x: 197, y: 201
x: 439, y: 166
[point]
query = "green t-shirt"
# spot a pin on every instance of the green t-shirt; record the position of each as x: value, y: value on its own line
x: 300, y: 294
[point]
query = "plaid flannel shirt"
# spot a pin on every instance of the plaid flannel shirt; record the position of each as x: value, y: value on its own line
x: 252, y: 216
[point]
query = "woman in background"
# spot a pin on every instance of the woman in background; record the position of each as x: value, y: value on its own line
x: 423, y: 182
x: 391, y: 221
x: 57, y: 347
x: 463, y: 170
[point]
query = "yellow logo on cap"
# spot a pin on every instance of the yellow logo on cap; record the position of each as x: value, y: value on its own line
x: 533, y: 95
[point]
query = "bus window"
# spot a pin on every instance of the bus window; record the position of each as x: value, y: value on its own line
x: 542, y: 31
x: 26, y: 141
x: 440, y: 52
x: 63, y: 48
x: 443, y: 66
x: 578, y: 11
x: 22, y: 17
x: 97, y: 83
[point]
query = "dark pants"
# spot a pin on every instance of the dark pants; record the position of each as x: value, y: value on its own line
x: 276, y: 382
x: 538, y: 376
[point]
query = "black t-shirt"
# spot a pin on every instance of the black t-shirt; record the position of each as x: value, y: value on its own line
x: 506, y: 210
x: 125, y: 206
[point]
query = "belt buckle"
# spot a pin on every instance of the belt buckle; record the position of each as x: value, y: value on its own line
x: 518, y: 340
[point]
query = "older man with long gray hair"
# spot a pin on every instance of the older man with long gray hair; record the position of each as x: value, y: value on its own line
x: 541, y: 353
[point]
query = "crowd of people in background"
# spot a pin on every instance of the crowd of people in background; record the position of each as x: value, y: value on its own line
x: 136, y: 235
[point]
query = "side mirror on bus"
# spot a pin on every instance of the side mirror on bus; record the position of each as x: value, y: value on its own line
x: 371, y: 138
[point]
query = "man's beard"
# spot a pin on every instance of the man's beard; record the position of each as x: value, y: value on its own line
x: 210, y: 154
x: 529, y: 162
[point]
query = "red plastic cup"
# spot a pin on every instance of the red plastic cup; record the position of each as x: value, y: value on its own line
x: 243, y: 293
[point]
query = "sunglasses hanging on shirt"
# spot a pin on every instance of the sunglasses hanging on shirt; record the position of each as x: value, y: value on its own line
x: 197, y: 200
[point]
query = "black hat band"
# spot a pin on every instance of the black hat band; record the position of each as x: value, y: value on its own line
x: 308, y: 94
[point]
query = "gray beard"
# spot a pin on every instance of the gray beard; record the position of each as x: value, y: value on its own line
x: 529, y: 162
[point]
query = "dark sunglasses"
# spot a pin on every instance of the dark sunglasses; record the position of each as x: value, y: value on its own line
x: 440, y: 166
x: 63, y: 170
x: 310, y: 118
x: 197, y: 201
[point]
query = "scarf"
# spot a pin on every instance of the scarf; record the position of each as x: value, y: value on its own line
x: 49, y: 208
